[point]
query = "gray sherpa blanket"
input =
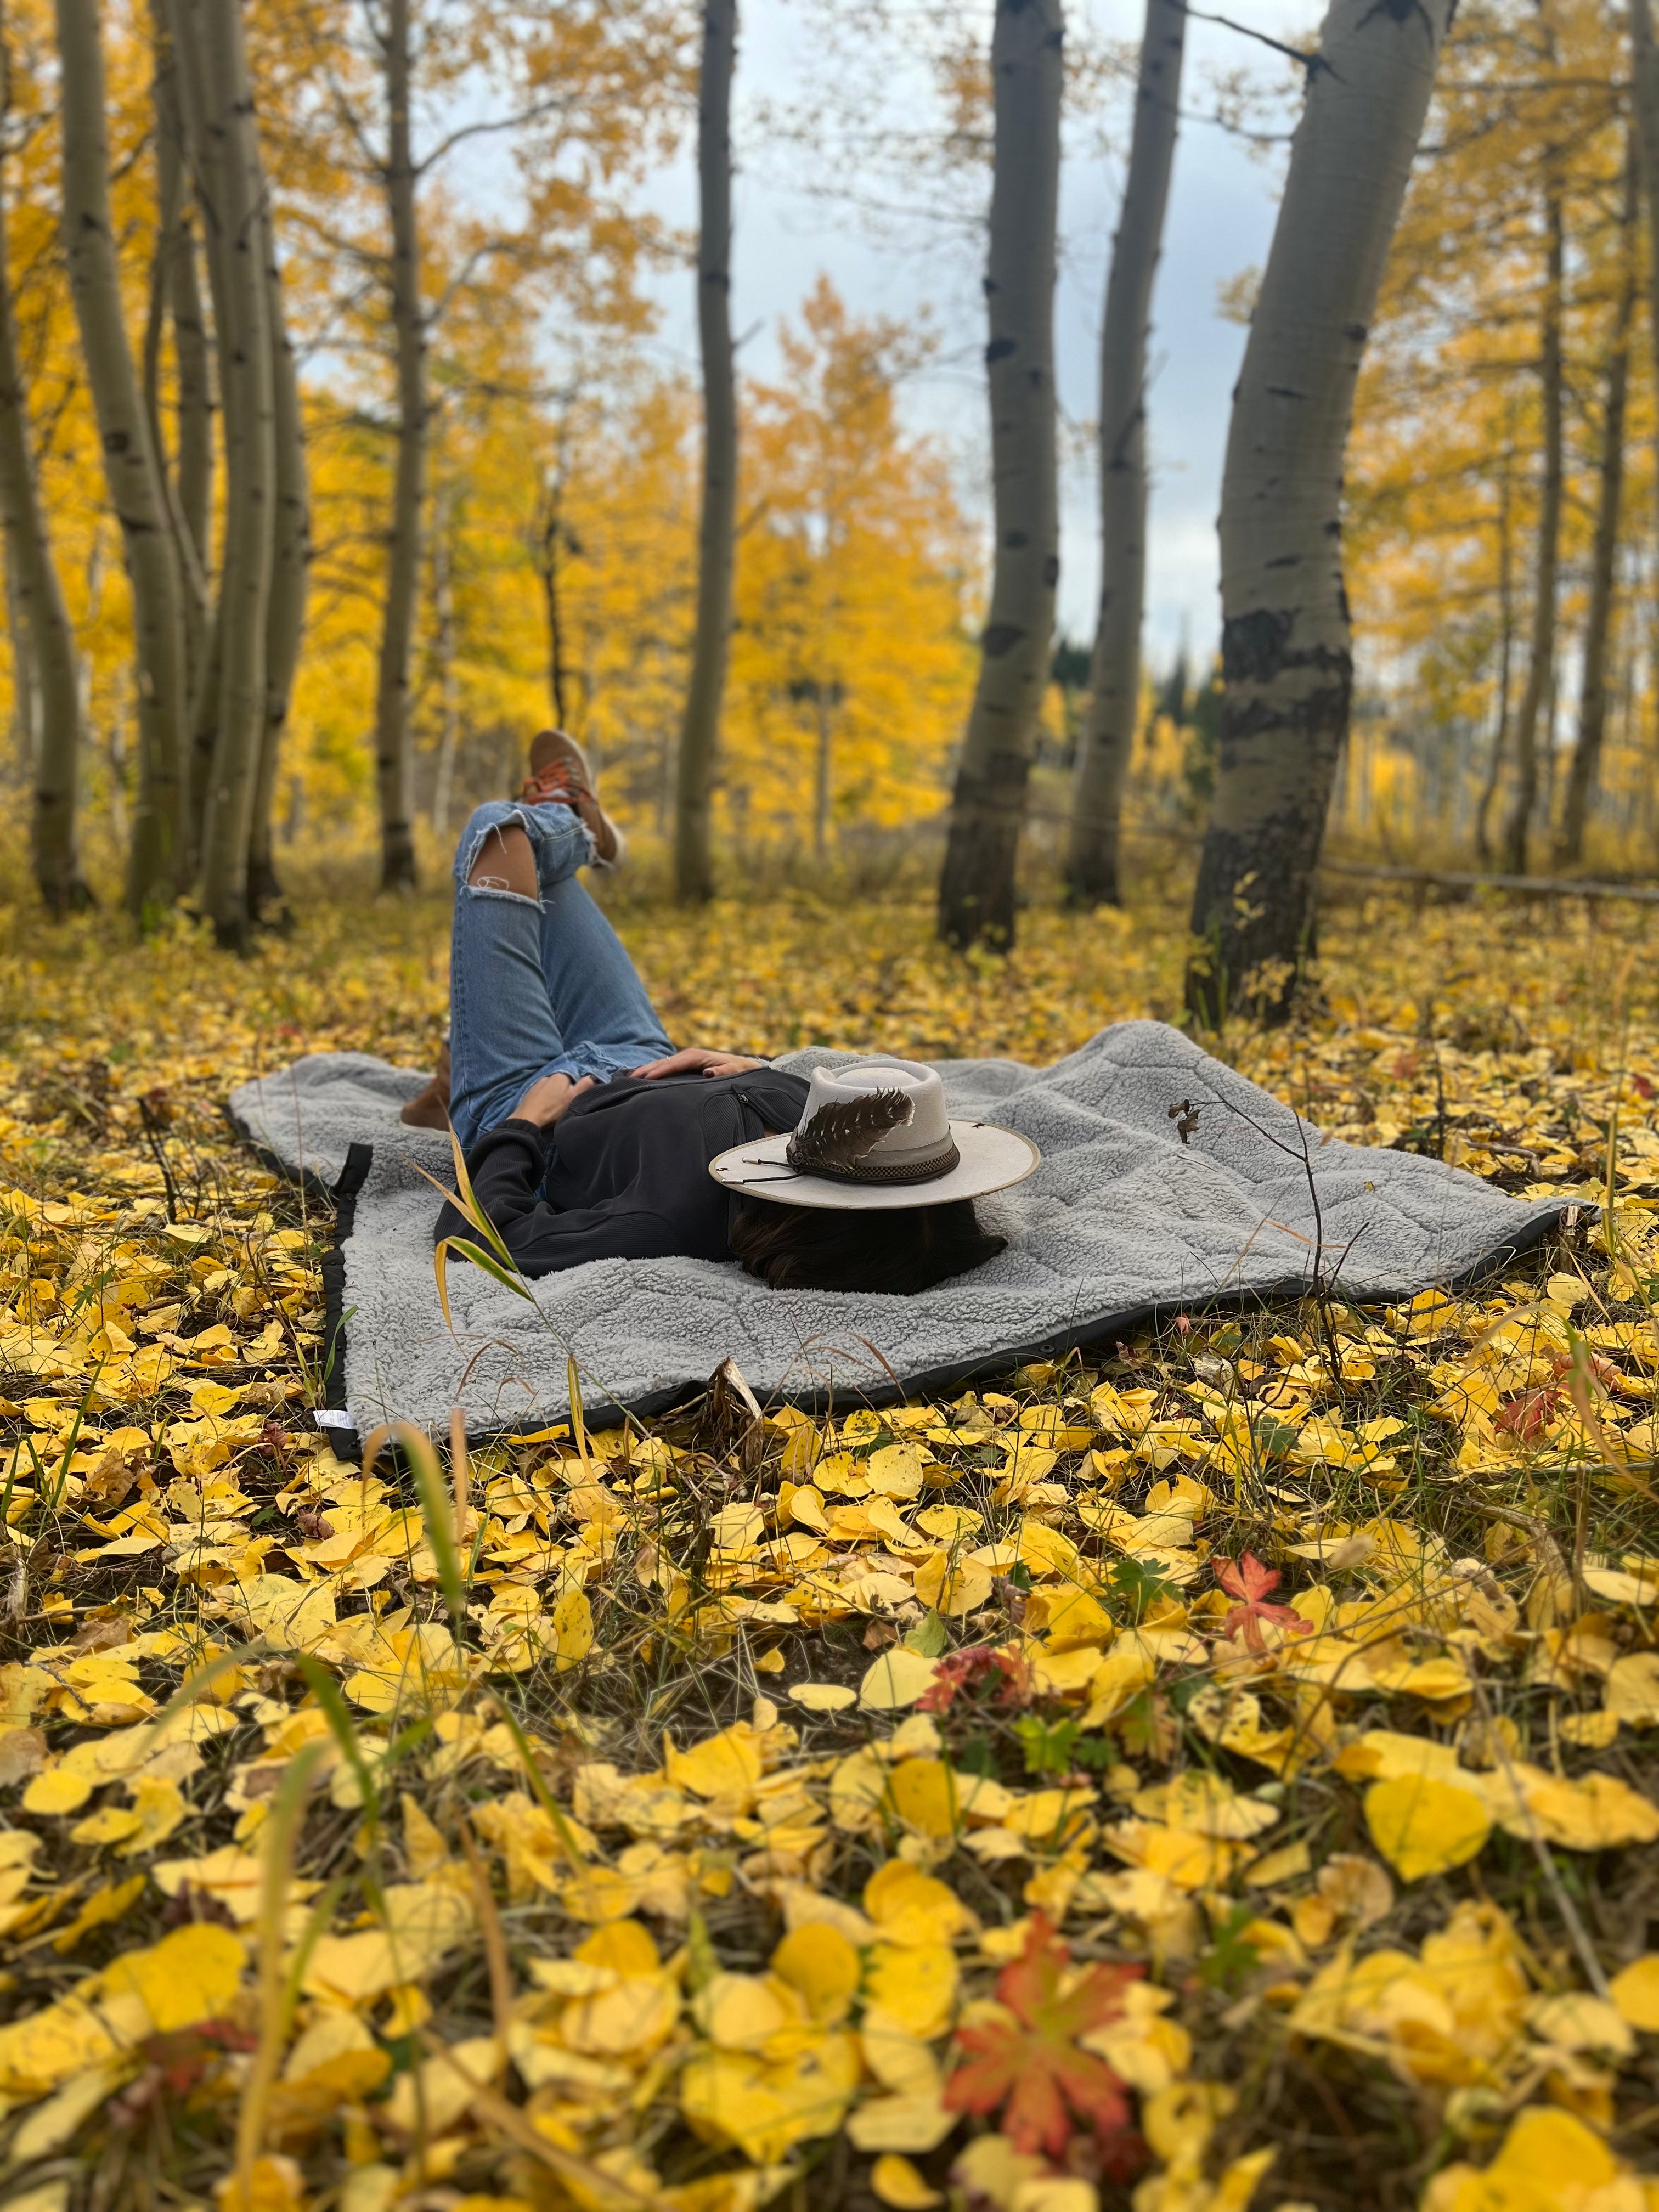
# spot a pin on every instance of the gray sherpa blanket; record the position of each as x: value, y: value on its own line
x: 1168, y: 1181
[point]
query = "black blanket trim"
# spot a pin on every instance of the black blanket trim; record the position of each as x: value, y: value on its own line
x: 603, y: 1412
x: 358, y: 1161
x: 342, y: 1198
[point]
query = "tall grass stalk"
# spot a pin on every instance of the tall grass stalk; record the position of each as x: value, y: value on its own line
x: 281, y: 1831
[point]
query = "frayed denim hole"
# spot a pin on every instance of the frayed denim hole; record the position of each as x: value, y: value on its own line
x: 513, y: 818
x: 493, y: 892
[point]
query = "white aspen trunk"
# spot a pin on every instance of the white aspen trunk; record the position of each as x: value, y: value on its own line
x: 173, y: 237
x: 233, y: 203
x: 548, y: 529
x: 988, y: 808
x: 393, y: 766
x: 25, y: 683
x: 1541, y: 667
x: 194, y: 357
x: 1645, y: 119
x: 116, y: 754
x: 700, y: 726
x: 159, y: 851
x: 206, y: 152
x: 1506, y: 650
x: 289, y: 575
x: 47, y: 677
x: 1102, y: 758
x: 449, y: 696
x: 823, y: 786
x: 1598, y: 624
x: 1288, y: 659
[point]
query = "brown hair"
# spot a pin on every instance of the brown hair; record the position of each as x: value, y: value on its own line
x: 900, y: 1249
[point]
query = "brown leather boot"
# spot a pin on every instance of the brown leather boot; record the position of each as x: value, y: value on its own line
x: 559, y: 771
x: 430, y: 1110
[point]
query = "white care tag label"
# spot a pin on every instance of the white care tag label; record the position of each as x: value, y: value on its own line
x: 326, y: 1418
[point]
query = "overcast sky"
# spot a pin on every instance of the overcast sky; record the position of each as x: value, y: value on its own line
x: 1221, y: 220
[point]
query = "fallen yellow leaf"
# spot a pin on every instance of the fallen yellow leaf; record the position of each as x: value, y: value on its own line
x: 1423, y: 1827
x: 899, y: 2184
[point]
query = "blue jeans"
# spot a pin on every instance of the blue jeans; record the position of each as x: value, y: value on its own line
x: 537, y: 986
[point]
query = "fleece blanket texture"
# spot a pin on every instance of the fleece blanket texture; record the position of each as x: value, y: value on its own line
x: 1168, y: 1182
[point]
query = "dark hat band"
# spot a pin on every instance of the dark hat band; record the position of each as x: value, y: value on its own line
x: 869, y: 1169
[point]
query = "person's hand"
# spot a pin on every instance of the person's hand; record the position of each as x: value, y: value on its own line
x: 694, y: 1060
x: 549, y: 1097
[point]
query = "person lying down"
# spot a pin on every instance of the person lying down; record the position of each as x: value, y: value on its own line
x: 587, y: 1136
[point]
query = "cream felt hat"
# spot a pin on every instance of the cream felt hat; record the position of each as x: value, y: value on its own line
x: 876, y: 1135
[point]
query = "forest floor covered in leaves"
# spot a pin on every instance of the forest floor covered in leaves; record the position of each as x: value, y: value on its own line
x: 1216, y: 1770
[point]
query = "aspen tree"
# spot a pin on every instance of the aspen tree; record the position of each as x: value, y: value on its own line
x: 586, y: 94
x: 1598, y: 622
x: 717, y: 530
x: 449, y: 692
x: 1644, y: 115
x: 246, y: 376
x: 976, y: 885
x: 1102, y: 758
x: 290, y: 568
x: 393, y: 765
x: 1500, y: 737
x: 51, y: 683
x: 1540, y: 666
x: 205, y: 150
x: 172, y: 285
x: 1287, y: 656
x: 158, y: 853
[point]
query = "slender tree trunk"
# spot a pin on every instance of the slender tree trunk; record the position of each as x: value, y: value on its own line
x: 1288, y: 659
x: 1092, y: 857
x: 1505, y: 650
x: 289, y: 573
x: 46, y: 676
x: 245, y: 370
x: 700, y: 726
x: 1598, y: 628
x: 976, y: 885
x: 1645, y: 115
x: 160, y: 844
x: 25, y: 680
x: 449, y: 697
x: 547, y: 562
x: 172, y: 238
x: 206, y: 152
x: 392, y: 762
x: 195, y: 365
x: 822, y: 789
x: 1645, y: 119
x: 1540, y: 670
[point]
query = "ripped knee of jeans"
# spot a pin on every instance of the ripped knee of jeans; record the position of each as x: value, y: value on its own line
x: 501, y: 862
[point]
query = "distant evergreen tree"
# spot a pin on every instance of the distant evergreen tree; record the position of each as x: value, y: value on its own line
x: 1068, y: 671
x: 1172, y: 700
x: 1203, y: 744
x: 1070, y: 666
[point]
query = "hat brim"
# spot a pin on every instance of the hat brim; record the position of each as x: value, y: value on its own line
x: 991, y: 1158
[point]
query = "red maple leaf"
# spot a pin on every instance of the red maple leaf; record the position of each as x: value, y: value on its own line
x: 967, y: 1670
x: 1034, y: 2070
x: 1248, y: 1581
x: 1530, y: 1413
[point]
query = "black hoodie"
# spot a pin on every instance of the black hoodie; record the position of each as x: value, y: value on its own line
x: 624, y: 1173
